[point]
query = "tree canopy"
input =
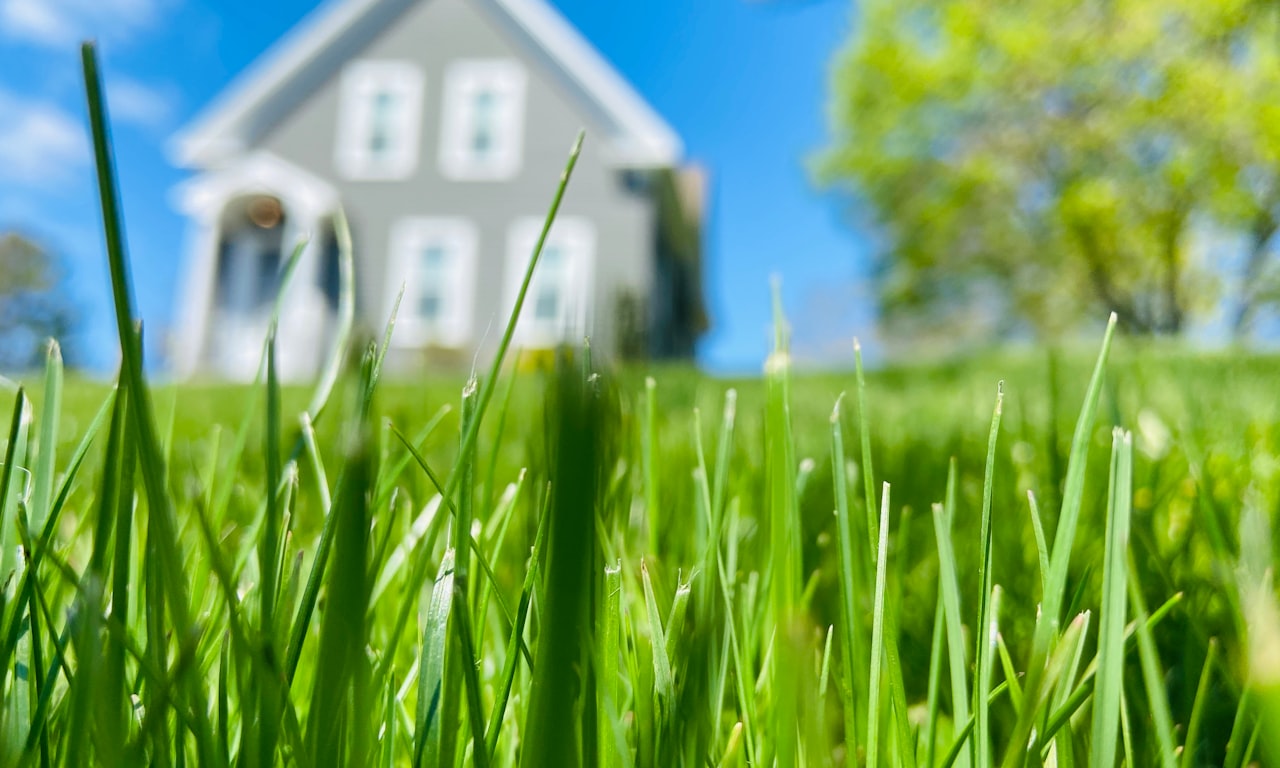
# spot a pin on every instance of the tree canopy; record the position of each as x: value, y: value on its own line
x: 1029, y: 165
x: 33, y: 306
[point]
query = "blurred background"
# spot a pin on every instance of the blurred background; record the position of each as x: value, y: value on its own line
x: 933, y: 176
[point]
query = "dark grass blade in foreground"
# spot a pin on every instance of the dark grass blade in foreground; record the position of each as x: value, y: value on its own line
x: 421, y: 564
x: 580, y: 430
x: 338, y: 721
x: 150, y: 458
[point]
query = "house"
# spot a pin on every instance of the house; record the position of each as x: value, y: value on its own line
x: 440, y: 128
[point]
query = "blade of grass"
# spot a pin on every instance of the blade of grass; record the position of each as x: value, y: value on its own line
x: 1010, y: 673
x: 419, y: 571
x: 1042, y: 547
x: 346, y: 319
x: 1126, y: 728
x: 151, y: 460
x: 1065, y: 742
x: 1153, y: 678
x: 431, y: 666
x: 877, y: 636
x: 986, y: 639
x: 46, y: 457
x: 933, y: 697
x: 785, y: 563
x: 261, y: 737
x: 664, y: 684
x: 989, y: 633
x: 1048, y: 622
x: 1241, y: 726
x: 1192, y: 743
x: 342, y: 675
x: 580, y: 429
x: 612, y: 742
x: 850, y: 634
x: 964, y: 732
x: 517, y: 632
x: 1110, y: 678
x: 864, y: 434
x: 1072, y: 497
x: 10, y: 490
x: 1081, y: 693
x: 649, y: 451
x: 957, y: 664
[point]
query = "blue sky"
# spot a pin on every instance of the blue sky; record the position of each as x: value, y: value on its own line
x: 744, y: 82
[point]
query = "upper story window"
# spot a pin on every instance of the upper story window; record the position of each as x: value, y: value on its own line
x: 482, y: 134
x: 557, y: 306
x: 379, y: 120
x: 435, y: 260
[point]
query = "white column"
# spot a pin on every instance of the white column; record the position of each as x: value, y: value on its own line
x: 304, y: 317
x: 195, y: 298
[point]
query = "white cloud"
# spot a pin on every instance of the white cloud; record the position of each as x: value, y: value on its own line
x: 41, y: 145
x: 61, y: 23
x: 132, y: 101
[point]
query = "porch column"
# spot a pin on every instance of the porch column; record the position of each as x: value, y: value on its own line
x: 304, y: 316
x: 195, y: 297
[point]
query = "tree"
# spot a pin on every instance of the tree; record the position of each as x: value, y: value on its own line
x: 33, y: 306
x: 1034, y: 163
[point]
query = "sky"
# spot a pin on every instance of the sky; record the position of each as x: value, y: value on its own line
x: 744, y: 82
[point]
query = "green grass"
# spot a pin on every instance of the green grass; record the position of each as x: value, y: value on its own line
x: 641, y: 567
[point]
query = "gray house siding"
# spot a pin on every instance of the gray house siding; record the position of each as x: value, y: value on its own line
x: 433, y: 34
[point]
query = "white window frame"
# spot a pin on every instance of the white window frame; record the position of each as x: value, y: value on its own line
x: 361, y: 81
x: 410, y: 237
x: 575, y: 237
x: 505, y: 77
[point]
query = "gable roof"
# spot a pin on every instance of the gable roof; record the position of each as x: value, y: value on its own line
x: 313, y: 51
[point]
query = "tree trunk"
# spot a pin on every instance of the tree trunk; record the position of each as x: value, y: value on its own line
x: 1171, y: 320
x: 1264, y: 227
x: 1128, y: 317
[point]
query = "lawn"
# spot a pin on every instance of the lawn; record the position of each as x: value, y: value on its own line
x: 1195, y: 462
x: 1025, y: 558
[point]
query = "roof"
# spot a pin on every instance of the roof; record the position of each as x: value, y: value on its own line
x: 315, y: 50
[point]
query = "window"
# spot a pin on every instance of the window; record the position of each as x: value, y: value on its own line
x: 482, y: 133
x: 435, y: 261
x: 379, y: 121
x: 557, y: 306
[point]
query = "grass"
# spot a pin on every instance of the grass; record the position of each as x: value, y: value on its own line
x: 582, y: 567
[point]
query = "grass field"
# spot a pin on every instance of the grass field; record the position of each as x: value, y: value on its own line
x: 595, y: 567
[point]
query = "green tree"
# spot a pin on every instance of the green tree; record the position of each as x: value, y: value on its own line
x: 33, y: 304
x: 1030, y: 164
